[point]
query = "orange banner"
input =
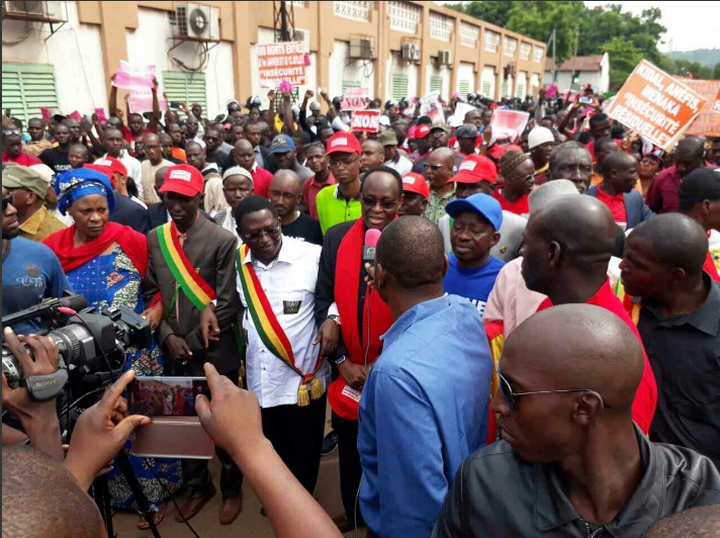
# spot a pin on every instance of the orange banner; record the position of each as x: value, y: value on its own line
x: 708, y: 121
x: 280, y: 61
x: 655, y: 105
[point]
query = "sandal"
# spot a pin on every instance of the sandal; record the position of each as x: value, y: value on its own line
x: 157, y: 518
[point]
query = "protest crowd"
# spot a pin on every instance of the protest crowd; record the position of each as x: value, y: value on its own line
x: 511, y: 308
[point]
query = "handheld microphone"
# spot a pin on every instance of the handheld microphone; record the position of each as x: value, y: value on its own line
x: 371, y: 240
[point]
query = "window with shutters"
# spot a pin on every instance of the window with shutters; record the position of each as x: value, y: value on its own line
x: 404, y: 17
x: 26, y: 88
x: 436, y: 84
x: 185, y: 87
x: 509, y: 46
x: 537, y: 54
x: 399, y: 87
x: 505, y: 89
x: 525, y: 49
x: 492, y: 40
x: 469, y: 35
x: 520, y: 93
x: 486, y: 88
x: 464, y: 88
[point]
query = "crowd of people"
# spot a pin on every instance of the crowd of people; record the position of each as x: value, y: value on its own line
x: 531, y: 348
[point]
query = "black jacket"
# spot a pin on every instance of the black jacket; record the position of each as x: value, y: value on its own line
x: 159, y: 215
x: 497, y: 494
x: 129, y: 213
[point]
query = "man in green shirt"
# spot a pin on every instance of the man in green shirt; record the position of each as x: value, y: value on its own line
x: 439, y: 171
x: 341, y: 203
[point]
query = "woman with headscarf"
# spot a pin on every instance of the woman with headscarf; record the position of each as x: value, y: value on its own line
x: 106, y: 262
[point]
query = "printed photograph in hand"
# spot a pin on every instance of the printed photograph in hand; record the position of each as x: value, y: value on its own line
x: 165, y: 396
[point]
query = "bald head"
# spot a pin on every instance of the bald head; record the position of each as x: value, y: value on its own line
x: 40, y: 498
x: 151, y: 138
x: 243, y: 145
x: 373, y: 154
x: 700, y: 522
x: 445, y: 155
x: 286, y: 194
x: 160, y: 177
x: 286, y: 180
x: 690, y: 148
x: 618, y: 160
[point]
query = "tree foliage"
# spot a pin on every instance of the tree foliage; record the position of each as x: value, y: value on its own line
x: 496, y: 13
x: 624, y: 56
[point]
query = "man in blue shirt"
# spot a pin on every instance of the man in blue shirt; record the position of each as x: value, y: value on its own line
x: 30, y: 271
x: 471, y: 269
x: 425, y: 403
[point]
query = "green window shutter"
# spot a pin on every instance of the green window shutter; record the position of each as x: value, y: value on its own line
x: 349, y: 84
x: 26, y: 88
x: 185, y: 87
x: 520, y: 91
x: 486, y: 89
x: 464, y: 88
x: 399, y: 87
x: 505, y: 90
x: 436, y: 84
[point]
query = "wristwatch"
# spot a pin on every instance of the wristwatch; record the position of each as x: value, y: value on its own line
x: 341, y: 359
x: 335, y: 318
x: 485, y: 143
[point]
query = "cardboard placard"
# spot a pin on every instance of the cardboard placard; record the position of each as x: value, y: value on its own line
x: 366, y: 121
x: 355, y: 99
x: 431, y: 107
x: 141, y: 101
x: 708, y: 121
x: 655, y: 105
x: 508, y: 124
x: 280, y: 61
x: 134, y: 77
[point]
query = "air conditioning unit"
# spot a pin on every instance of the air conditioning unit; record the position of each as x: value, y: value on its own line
x: 444, y: 57
x: 410, y: 52
x: 197, y: 22
x: 40, y: 11
x: 362, y: 48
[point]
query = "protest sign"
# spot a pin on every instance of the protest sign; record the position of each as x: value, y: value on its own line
x: 508, y: 124
x: 100, y: 112
x: 134, y: 77
x: 141, y: 101
x: 461, y: 109
x: 355, y: 99
x: 366, y: 120
x: 431, y: 107
x: 280, y: 61
x: 708, y: 121
x: 655, y: 105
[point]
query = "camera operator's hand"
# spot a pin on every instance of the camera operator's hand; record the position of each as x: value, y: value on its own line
x: 38, y: 419
x: 209, y: 326
x: 232, y: 418
x: 101, y: 432
x: 178, y: 348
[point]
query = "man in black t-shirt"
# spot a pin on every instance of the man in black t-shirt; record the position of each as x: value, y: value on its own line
x: 57, y: 158
x: 285, y: 194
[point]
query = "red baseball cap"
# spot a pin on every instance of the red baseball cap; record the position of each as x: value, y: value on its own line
x: 475, y: 168
x: 183, y: 179
x: 421, y: 131
x: 103, y: 169
x: 497, y: 151
x: 115, y: 165
x: 343, y: 143
x: 416, y: 183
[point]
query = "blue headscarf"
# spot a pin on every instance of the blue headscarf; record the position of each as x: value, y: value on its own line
x: 72, y: 185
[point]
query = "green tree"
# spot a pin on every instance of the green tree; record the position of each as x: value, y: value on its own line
x: 624, y: 56
x: 496, y: 13
x: 716, y: 72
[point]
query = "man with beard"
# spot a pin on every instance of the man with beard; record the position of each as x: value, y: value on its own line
x: 286, y: 194
x: 572, y: 161
x: 439, y: 171
x: 283, y: 151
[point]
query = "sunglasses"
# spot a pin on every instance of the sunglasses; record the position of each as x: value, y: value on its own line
x: 512, y: 397
x: 6, y: 201
x: 211, y: 138
x: 385, y: 204
x: 433, y: 166
x: 273, y: 233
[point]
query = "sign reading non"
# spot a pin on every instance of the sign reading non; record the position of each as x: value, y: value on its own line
x: 366, y: 120
x: 655, y: 105
x: 355, y: 99
x: 280, y: 61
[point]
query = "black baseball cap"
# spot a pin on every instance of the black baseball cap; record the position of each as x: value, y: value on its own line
x: 699, y: 185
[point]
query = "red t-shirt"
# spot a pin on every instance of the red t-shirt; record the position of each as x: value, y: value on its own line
x: 129, y: 137
x: 519, y: 206
x: 23, y: 159
x: 261, y: 181
x: 645, y: 402
x: 616, y: 205
x: 710, y: 268
x: 311, y: 188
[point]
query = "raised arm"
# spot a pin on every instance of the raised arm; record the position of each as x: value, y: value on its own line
x: 155, y: 118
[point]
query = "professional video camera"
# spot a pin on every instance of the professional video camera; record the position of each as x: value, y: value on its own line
x: 92, y: 345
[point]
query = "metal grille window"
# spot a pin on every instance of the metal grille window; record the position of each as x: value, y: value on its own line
x: 520, y: 90
x: 299, y: 3
x: 436, y: 84
x: 537, y: 54
x: 509, y: 46
x: 486, y: 86
x: 185, y: 87
x: 505, y: 89
x: 26, y: 88
x: 356, y: 10
x: 469, y: 35
x: 492, y: 40
x: 464, y: 88
x: 399, y: 87
x: 294, y: 99
x: 441, y: 26
x: 404, y: 17
x: 525, y: 49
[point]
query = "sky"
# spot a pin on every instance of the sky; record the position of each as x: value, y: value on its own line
x: 691, y: 25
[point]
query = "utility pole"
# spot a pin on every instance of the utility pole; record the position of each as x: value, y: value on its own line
x: 553, y: 38
x: 577, y: 39
x: 284, y: 21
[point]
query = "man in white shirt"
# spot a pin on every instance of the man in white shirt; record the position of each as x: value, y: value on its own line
x: 214, y: 200
x: 276, y: 283
x: 153, y: 163
x: 114, y: 142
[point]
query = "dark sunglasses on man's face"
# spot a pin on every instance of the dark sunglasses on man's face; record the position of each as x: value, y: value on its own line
x: 385, y: 204
x: 273, y: 233
x: 512, y: 397
x: 211, y: 139
x: 6, y: 201
x: 435, y: 167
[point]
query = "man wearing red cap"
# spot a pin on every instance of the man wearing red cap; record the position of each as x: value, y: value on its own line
x: 341, y: 203
x: 415, y: 195
x: 421, y: 138
x: 191, y: 264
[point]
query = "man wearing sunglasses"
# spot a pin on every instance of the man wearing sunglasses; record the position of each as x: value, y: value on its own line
x: 572, y: 462
x: 214, y: 141
x: 439, y: 171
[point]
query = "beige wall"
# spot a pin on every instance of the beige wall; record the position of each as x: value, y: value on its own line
x: 239, y: 22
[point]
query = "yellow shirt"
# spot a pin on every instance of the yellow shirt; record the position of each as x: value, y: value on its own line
x: 40, y: 226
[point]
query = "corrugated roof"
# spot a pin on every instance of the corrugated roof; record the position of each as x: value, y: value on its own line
x: 578, y: 63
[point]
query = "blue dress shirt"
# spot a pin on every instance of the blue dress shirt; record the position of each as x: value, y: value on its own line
x: 424, y: 410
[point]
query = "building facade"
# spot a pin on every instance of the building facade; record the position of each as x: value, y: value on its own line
x: 414, y: 48
x: 576, y: 73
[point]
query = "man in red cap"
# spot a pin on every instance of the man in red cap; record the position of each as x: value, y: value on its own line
x: 477, y: 173
x: 421, y: 139
x: 341, y: 203
x: 416, y: 193
x: 191, y: 264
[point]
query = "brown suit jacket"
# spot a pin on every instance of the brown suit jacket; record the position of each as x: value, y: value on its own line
x: 210, y: 249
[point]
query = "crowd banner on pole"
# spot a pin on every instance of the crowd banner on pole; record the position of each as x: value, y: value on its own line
x: 355, y: 99
x: 366, y: 120
x: 508, y: 124
x: 431, y: 107
x: 708, y: 121
x: 134, y: 77
x: 655, y: 105
x: 281, y: 61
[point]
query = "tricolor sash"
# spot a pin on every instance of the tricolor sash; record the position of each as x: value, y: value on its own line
x: 193, y: 285
x: 633, y: 308
x: 269, y: 329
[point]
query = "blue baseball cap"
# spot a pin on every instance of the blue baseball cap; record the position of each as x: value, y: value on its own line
x: 282, y: 144
x: 485, y: 205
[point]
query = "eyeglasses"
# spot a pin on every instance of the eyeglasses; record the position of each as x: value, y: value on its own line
x: 273, y: 233
x: 8, y: 132
x: 211, y: 139
x: 6, y: 201
x: 385, y: 204
x: 335, y: 163
x: 512, y: 397
x: 438, y: 134
x: 435, y: 167
x: 529, y: 177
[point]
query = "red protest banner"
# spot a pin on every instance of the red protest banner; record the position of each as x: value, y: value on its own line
x: 355, y: 99
x: 280, y: 61
x: 366, y: 120
x: 655, y: 105
x: 708, y: 121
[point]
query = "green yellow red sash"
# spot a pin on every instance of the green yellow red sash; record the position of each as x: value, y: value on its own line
x: 193, y: 285
x: 269, y: 329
